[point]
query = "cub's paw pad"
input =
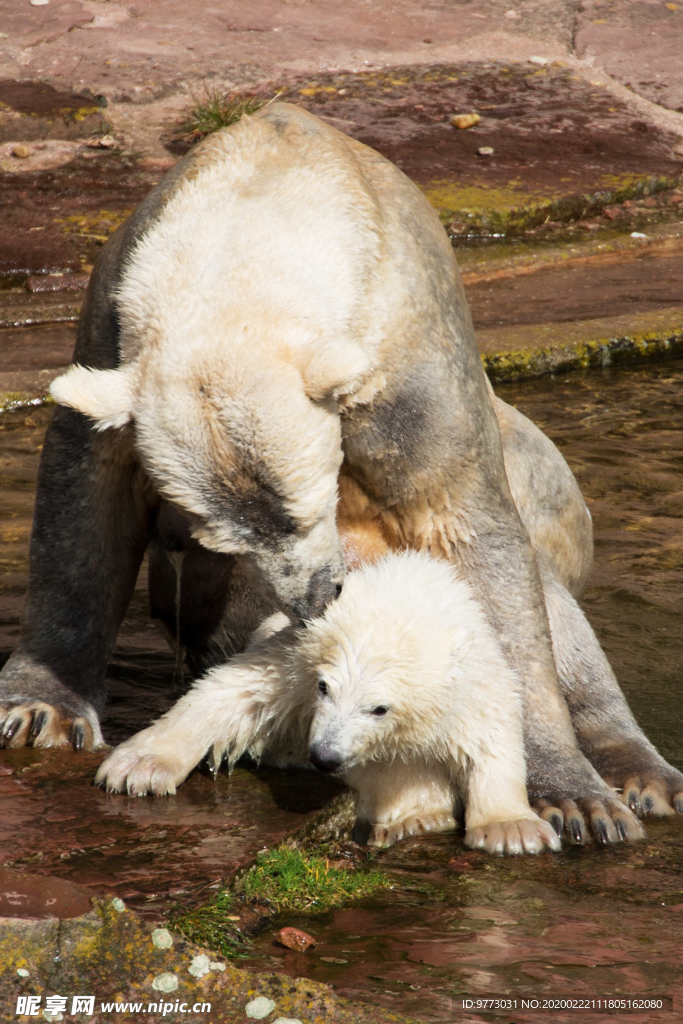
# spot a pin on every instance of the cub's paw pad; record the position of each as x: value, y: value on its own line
x: 37, y: 724
x: 524, y: 835
x: 387, y: 834
x: 659, y: 796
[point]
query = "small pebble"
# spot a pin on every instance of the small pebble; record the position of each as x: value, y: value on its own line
x: 465, y: 120
x: 165, y: 982
x: 162, y: 938
x: 287, y: 1020
x: 485, y: 151
x: 538, y: 60
x: 104, y: 142
x: 118, y: 904
x: 513, y: 15
x: 39, y: 3
x: 294, y: 938
x: 21, y: 151
x: 199, y: 966
x: 22, y: 972
x: 259, y: 1008
x: 638, y: 234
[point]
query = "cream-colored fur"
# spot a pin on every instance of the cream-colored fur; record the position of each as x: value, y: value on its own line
x: 400, y: 688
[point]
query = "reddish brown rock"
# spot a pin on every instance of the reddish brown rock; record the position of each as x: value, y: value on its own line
x: 294, y: 938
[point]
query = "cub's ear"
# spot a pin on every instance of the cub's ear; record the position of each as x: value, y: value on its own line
x: 104, y: 395
x: 333, y: 371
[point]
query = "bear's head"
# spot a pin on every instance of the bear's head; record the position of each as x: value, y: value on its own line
x: 383, y: 662
x: 250, y: 457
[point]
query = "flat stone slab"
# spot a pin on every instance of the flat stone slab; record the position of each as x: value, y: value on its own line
x: 639, y: 43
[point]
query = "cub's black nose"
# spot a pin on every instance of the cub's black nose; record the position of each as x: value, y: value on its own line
x: 324, y: 760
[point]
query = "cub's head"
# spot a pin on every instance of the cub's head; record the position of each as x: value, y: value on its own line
x: 247, y: 454
x: 380, y: 663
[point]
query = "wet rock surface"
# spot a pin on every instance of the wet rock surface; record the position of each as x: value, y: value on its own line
x: 111, y: 956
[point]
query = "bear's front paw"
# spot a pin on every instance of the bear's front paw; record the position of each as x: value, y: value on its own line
x: 385, y: 835
x: 133, y: 770
x: 525, y: 835
x: 38, y: 724
x: 607, y: 820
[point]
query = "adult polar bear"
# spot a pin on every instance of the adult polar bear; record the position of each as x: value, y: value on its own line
x: 284, y: 298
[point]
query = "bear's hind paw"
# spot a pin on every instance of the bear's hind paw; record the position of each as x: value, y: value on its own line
x: 655, y: 795
x: 607, y: 821
x: 386, y: 835
x: 38, y: 724
x: 525, y: 835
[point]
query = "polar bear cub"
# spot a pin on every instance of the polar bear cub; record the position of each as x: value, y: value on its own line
x: 400, y: 689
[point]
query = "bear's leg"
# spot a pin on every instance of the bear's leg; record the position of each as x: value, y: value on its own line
x: 397, y: 799
x: 243, y: 706
x: 605, y: 727
x: 498, y: 817
x: 90, y: 529
x: 209, y: 603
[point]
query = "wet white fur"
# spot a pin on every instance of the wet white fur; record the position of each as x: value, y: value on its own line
x: 242, y: 323
x: 406, y: 634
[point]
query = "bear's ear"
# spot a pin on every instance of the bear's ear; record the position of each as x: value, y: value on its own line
x: 331, y: 371
x: 104, y: 395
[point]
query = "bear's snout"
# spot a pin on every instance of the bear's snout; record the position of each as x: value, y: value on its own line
x: 324, y: 758
x: 324, y: 586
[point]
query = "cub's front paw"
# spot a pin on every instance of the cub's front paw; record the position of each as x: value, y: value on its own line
x: 385, y: 835
x: 136, y: 769
x: 648, y: 784
x: 525, y: 835
x: 35, y: 723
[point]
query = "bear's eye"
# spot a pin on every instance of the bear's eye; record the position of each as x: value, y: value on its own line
x: 322, y: 687
x: 381, y: 710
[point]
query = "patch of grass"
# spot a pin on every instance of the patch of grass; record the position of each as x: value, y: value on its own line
x: 211, y: 926
x: 216, y: 110
x: 291, y: 880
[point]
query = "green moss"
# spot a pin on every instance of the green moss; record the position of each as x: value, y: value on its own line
x: 213, y: 926
x: 285, y: 878
x: 510, y: 210
x: 516, y: 365
x: 291, y: 880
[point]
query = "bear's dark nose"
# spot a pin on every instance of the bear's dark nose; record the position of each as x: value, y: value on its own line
x: 324, y: 759
x: 323, y: 588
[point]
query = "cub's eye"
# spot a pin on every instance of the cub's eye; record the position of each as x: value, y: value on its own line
x: 381, y: 710
x: 322, y: 687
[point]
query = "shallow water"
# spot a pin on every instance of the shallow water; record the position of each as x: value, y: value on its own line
x: 584, y: 922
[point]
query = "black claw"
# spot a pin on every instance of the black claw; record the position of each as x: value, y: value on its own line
x: 648, y: 805
x: 678, y: 804
x: 633, y: 801
x: 37, y: 723
x: 601, y: 830
x: 576, y: 830
x: 77, y: 737
x: 620, y: 827
x: 12, y: 729
x: 557, y: 823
